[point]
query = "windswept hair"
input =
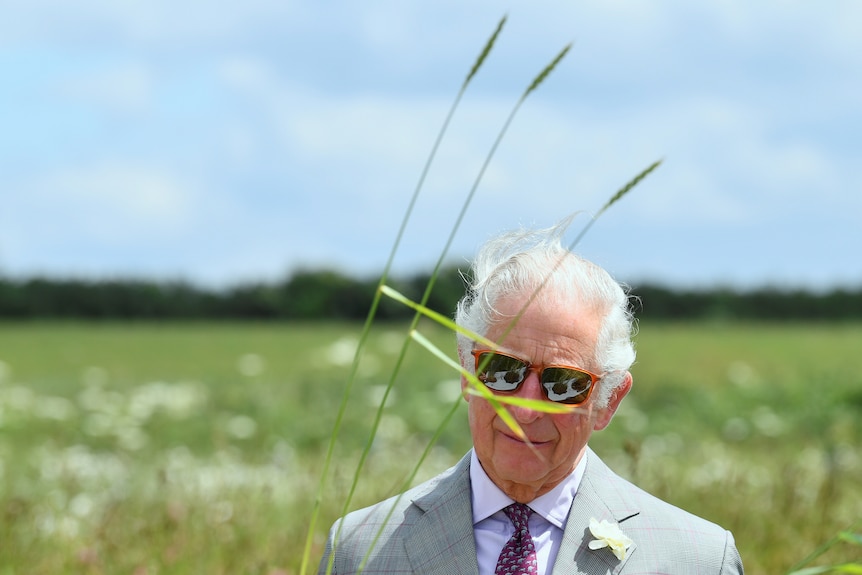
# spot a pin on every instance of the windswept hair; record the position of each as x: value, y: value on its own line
x: 526, y: 262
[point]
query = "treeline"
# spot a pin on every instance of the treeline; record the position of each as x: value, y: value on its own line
x: 306, y: 295
x: 328, y: 294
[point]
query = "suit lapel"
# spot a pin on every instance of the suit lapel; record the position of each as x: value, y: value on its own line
x: 441, y: 541
x: 596, y: 497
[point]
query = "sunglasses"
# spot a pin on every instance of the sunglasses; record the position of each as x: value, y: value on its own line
x: 560, y: 383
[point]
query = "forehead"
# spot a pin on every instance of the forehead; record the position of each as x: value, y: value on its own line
x: 550, y: 330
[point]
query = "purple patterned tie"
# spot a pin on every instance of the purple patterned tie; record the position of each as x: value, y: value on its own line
x: 518, y: 556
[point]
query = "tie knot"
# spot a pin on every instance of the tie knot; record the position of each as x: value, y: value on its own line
x: 519, y: 515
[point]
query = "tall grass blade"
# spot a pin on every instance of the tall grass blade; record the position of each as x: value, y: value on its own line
x: 437, y: 317
x: 415, y: 335
x: 484, y: 54
x: 481, y: 390
x: 614, y: 199
x: 476, y: 388
x: 811, y: 571
x: 852, y: 568
x: 456, y: 226
x: 372, y: 312
x: 496, y: 144
x: 429, y: 288
x: 548, y: 69
x: 533, y: 404
x: 847, y: 535
x: 533, y: 85
x: 409, y: 481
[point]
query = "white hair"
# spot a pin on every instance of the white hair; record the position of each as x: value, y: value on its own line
x: 525, y: 262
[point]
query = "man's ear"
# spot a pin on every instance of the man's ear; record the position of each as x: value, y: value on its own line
x: 464, y: 384
x: 464, y: 359
x: 605, y: 414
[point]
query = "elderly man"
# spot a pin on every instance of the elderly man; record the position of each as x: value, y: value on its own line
x: 533, y: 497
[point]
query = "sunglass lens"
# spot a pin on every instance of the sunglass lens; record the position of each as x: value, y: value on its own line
x: 499, y: 372
x: 566, y: 385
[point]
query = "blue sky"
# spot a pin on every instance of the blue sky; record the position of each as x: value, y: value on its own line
x: 228, y: 142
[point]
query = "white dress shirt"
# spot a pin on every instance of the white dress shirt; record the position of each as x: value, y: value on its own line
x: 492, y: 529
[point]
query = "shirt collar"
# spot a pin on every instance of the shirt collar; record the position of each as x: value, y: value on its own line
x: 554, y: 505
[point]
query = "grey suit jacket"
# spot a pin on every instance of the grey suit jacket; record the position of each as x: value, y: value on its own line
x: 429, y: 530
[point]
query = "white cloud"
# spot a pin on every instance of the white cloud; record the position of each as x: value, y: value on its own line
x: 115, y: 196
x: 248, y: 74
x: 123, y: 87
x: 88, y: 22
x: 827, y: 28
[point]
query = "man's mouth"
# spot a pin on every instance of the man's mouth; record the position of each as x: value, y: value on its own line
x: 509, y: 434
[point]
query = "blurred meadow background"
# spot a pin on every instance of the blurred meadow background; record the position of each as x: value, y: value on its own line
x: 196, y: 200
x: 197, y: 447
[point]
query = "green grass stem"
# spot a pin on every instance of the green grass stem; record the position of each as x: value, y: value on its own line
x: 615, y: 198
x: 849, y: 536
x: 366, y: 329
x: 444, y: 252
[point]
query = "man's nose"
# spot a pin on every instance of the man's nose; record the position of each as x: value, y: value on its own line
x: 530, y: 389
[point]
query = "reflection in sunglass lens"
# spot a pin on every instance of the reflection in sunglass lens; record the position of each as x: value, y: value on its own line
x: 499, y: 372
x: 566, y: 385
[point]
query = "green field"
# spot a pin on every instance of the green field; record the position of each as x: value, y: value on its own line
x: 196, y: 448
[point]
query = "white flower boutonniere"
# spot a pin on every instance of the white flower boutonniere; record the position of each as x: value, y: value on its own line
x: 609, y: 535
